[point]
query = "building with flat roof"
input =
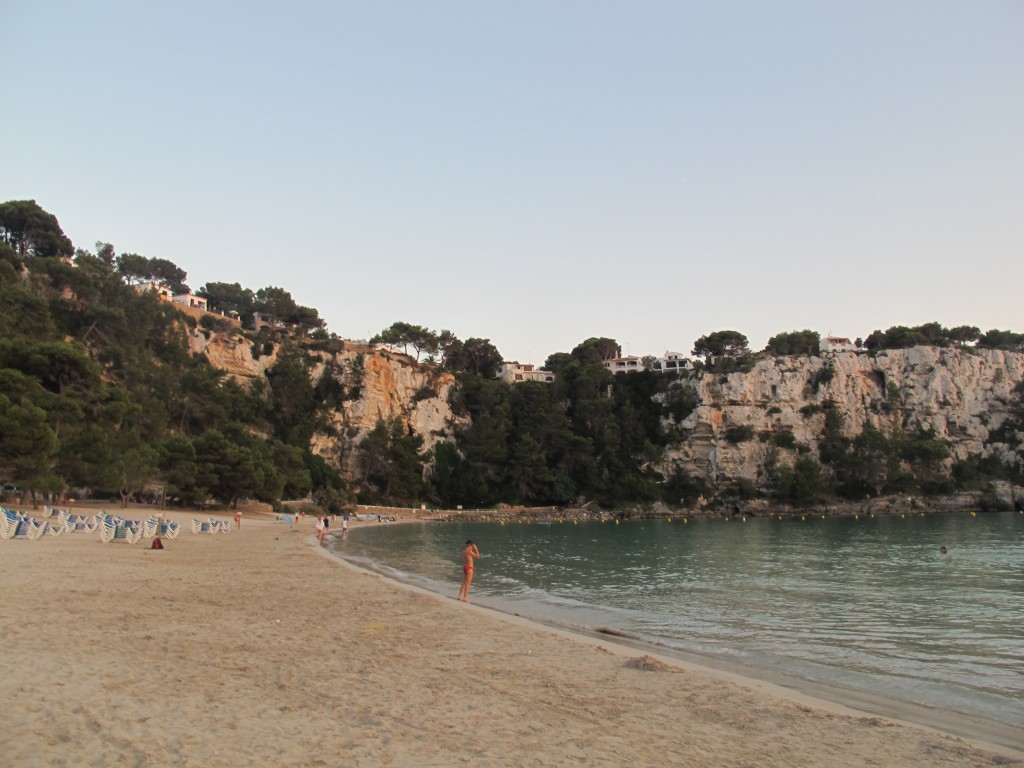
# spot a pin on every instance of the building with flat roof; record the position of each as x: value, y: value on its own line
x: 514, y: 373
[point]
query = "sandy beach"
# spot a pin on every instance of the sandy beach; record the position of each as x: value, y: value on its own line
x: 257, y: 648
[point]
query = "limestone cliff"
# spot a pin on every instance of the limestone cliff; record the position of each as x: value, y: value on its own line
x: 378, y: 385
x: 961, y: 395
x: 232, y: 353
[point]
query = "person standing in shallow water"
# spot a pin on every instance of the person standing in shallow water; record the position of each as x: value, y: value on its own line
x: 469, y: 553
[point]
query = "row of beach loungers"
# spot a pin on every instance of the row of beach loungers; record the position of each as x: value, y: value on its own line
x: 110, y: 527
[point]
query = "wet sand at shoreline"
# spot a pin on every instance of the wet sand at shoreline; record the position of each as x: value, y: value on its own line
x: 247, y: 647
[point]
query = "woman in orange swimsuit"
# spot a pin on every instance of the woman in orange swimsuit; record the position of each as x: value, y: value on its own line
x: 468, y: 553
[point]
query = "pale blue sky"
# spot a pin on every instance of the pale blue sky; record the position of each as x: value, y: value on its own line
x: 537, y: 173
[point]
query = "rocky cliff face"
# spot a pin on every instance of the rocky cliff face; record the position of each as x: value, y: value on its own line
x: 231, y: 353
x: 389, y: 387
x: 961, y: 395
x: 380, y: 385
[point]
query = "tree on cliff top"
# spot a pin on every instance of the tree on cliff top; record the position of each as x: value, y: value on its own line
x: 597, y: 349
x: 721, y: 343
x: 804, y: 342
x: 31, y: 231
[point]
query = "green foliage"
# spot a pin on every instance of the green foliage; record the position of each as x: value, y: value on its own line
x: 475, y: 356
x: 680, y: 401
x: 821, y: 376
x: 31, y: 231
x: 422, y: 340
x: 230, y: 297
x: 794, y: 343
x: 802, y: 483
x: 996, y: 339
x: 728, y: 343
x: 934, y: 334
x: 393, y: 464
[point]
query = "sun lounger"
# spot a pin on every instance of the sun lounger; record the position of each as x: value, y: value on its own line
x: 8, y: 524
x: 198, y: 526
x: 110, y: 531
x: 30, y: 529
x: 220, y: 526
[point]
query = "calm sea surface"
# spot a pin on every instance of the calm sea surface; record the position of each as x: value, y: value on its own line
x: 866, y: 605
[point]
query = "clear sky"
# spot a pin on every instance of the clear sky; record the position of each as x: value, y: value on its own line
x: 540, y: 172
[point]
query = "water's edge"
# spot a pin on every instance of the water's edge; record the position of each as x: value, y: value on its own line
x: 993, y: 736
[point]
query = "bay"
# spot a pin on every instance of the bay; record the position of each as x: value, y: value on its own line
x: 865, y: 605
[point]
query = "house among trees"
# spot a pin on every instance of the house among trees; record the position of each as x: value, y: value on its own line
x: 628, y: 364
x: 672, y: 362
x: 514, y: 373
x: 837, y: 344
x: 162, y: 291
x: 190, y: 300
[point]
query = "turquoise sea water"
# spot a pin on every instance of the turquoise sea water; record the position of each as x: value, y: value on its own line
x: 865, y: 605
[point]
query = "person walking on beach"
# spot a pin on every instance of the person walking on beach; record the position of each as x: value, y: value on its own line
x: 238, y: 518
x: 320, y: 529
x: 344, y: 523
x: 468, y: 554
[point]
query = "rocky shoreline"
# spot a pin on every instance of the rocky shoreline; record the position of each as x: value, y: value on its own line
x: 1005, y: 497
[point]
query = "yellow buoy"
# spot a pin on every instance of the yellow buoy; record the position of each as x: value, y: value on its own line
x: 803, y: 517
x: 685, y: 521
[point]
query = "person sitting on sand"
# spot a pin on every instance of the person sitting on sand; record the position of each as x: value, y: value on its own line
x: 468, y: 553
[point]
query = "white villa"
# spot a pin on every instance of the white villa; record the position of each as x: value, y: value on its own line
x: 514, y: 373
x: 672, y: 362
x: 628, y: 364
x: 190, y: 300
x: 836, y: 344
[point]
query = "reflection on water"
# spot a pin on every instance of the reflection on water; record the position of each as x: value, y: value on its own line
x: 868, y: 604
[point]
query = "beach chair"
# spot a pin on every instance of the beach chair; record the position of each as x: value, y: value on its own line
x: 198, y: 526
x: 29, y: 529
x: 132, y: 535
x: 55, y: 528
x: 170, y: 530
x: 220, y: 526
x: 8, y: 524
x: 150, y: 528
x: 111, y: 531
